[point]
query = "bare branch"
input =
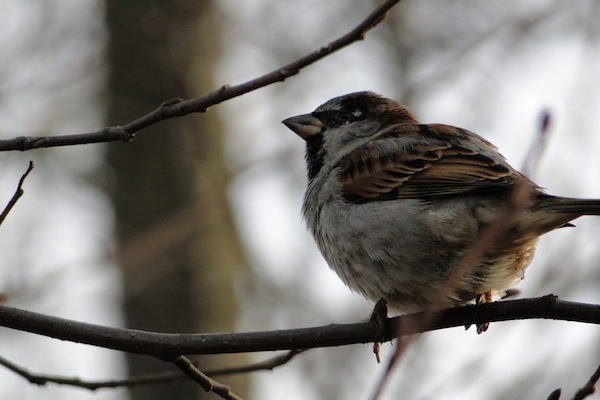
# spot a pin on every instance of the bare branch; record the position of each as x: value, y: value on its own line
x: 18, y: 193
x: 146, y: 379
x: 41, y: 380
x: 179, y: 107
x: 590, y: 387
x: 539, y: 145
x: 266, y: 365
x: 208, y: 384
x: 555, y: 395
x: 586, y: 390
x: 167, y: 346
x: 170, y: 347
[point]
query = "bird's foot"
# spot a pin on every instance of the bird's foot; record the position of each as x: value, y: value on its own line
x: 379, y: 315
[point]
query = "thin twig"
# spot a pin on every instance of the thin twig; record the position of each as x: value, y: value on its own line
x: 590, y: 387
x: 146, y: 379
x: 555, y: 395
x: 266, y: 365
x: 18, y: 193
x: 586, y: 390
x: 208, y: 384
x: 179, y: 107
x: 538, y: 145
x: 43, y: 379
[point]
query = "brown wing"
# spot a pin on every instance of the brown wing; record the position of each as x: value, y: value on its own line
x: 384, y: 169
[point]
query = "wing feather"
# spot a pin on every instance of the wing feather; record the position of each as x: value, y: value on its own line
x: 388, y: 167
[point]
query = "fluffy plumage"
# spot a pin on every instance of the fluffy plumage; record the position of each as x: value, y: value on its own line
x: 397, y: 207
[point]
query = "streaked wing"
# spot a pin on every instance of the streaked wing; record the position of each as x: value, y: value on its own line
x: 384, y: 169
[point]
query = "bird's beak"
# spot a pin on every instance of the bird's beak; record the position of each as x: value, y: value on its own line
x: 305, y: 125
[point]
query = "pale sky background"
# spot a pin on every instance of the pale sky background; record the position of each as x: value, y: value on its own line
x: 55, y: 241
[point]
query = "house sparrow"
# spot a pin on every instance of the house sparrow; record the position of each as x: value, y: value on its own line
x: 397, y: 207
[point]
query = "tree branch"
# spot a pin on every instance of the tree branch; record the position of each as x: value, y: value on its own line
x: 590, y: 387
x: 179, y: 107
x: 167, y: 346
x: 208, y: 384
x: 18, y: 193
x: 586, y: 390
x: 146, y: 379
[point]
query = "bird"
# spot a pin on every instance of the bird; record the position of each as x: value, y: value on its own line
x: 423, y: 216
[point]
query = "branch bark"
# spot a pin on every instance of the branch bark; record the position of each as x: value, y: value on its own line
x: 146, y: 379
x: 18, y: 193
x: 590, y: 386
x: 179, y: 107
x: 167, y: 346
x: 208, y: 384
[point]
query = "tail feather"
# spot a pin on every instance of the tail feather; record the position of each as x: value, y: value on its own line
x: 575, y: 207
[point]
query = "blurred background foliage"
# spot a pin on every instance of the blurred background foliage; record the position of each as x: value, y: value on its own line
x: 195, y: 226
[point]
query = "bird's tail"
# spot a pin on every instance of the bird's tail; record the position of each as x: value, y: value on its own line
x: 567, y: 205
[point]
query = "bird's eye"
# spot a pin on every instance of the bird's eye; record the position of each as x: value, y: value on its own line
x: 335, y: 118
x: 344, y: 117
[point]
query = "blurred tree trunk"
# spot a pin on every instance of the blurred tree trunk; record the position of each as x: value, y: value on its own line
x: 178, y: 245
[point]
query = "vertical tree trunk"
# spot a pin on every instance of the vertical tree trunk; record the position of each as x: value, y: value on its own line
x: 179, y: 248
